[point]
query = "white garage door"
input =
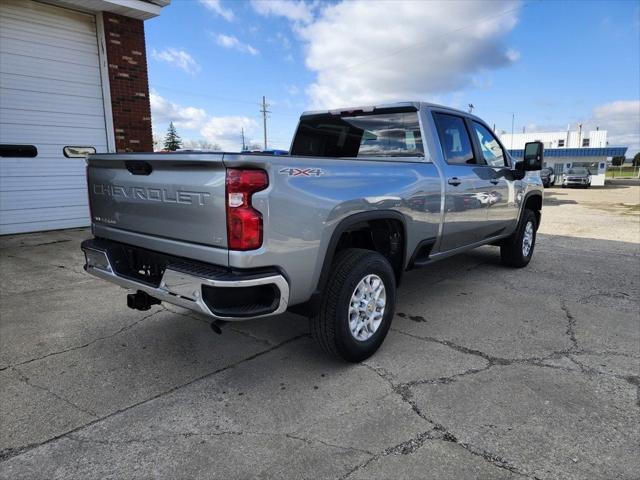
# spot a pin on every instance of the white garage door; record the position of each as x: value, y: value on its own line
x: 50, y: 97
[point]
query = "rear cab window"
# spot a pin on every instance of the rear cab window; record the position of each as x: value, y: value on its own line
x: 384, y: 134
x: 454, y: 139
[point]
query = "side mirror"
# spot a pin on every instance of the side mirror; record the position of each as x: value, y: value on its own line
x: 533, y: 153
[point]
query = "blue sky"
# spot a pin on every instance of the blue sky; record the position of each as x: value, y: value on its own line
x: 549, y: 63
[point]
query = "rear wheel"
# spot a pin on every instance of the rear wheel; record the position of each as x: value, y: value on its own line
x: 358, y: 305
x: 517, y: 250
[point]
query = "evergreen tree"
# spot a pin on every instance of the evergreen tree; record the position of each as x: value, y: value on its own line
x: 172, y: 140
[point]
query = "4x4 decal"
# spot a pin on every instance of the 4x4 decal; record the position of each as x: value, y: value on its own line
x: 302, y: 172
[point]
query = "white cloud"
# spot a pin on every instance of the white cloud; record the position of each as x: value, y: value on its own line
x: 216, y: 7
x: 226, y: 131
x: 296, y: 11
x: 229, y: 41
x: 221, y: 131
x: 292, y: 90
x: 621, y: 119
x: 178, y: 58
x: 424, y: 49
x: 164, y: 111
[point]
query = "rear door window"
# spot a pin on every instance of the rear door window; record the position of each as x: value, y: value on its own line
x: 394, y: 134
x: 454, y: 138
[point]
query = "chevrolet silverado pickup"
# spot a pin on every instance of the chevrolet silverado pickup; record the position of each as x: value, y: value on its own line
x: 326, y: 231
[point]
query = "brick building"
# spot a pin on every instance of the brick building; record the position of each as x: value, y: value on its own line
x: 72, y: 73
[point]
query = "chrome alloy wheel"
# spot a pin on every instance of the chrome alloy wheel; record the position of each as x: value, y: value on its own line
x: 527, y: 239
x: 366, y: 308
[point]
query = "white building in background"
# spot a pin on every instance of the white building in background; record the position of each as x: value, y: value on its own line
x: 568, y: 139
x: 570, y: 149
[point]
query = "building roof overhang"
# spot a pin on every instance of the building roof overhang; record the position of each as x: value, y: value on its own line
x: 140, y: 9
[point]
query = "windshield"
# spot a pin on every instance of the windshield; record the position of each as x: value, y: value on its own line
x: 376, y: 135
x: 578, y: 171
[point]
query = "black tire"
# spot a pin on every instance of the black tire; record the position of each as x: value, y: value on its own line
x: 330, y: 324
x: 511, y: 251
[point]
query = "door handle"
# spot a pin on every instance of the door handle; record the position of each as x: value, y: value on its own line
x: 455, y: 181
x: 495, y: 181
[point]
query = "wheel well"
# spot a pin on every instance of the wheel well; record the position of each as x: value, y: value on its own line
x: 534, y: 203
x: 385, y: 236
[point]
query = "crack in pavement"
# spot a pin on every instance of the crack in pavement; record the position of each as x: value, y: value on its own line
x: 404, y: 448
x: 403, y: 390
x: 23, y: 378
x: 571, y: 324
x: 129, y: 441
x: 9, y: 453
x: 157, y: 438
x: 79, y: 347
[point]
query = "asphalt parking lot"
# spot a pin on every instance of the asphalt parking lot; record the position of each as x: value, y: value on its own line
x: 488, y: 372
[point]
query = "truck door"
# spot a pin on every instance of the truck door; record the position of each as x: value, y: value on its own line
x: 465, y: 208
x: 502, y: 209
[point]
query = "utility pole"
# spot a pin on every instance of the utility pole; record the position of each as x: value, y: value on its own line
x: 244, y: 146
x: 513, y: 121
x: 264, y: 112
x: 471, y: 107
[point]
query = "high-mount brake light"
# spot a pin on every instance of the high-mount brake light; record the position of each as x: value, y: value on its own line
x: 244, y: 223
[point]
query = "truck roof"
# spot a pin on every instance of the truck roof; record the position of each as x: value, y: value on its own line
x: 384, y: 106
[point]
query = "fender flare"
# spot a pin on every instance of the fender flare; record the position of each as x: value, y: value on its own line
x: 342, y: 227
x: 527, y: 197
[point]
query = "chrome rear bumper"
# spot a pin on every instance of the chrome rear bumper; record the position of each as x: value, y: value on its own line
x: 186, y: 289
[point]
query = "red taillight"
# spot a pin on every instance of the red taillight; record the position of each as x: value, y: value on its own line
x: 244, y: 223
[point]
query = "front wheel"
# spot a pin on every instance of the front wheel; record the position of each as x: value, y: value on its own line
x: 517, y: 250
x: 357, y: 307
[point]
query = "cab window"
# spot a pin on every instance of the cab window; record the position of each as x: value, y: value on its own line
x: 454, y: 138
x: 491, y: 150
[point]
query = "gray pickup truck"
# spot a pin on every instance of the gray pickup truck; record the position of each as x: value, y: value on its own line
x: 326, y: 231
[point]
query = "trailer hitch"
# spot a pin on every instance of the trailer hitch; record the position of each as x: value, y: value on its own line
x: 141, y: 300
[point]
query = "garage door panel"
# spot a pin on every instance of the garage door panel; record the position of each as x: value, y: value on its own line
x: 25, y: 117
x: 38, y: 219
x: 49, y: 102
x: 24, y: 134
x: 25, y: 83
x: 40, y: 14
x: 66, y: 197
x: 72, y: 197
x: 55, y: 53
x: 49, y: 69
x: 51, y: 96
x: 25, y: 184
x: 49, y: 34
x: 43, y: 167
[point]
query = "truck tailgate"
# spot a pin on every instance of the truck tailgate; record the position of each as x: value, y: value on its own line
x: 174, y: 196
